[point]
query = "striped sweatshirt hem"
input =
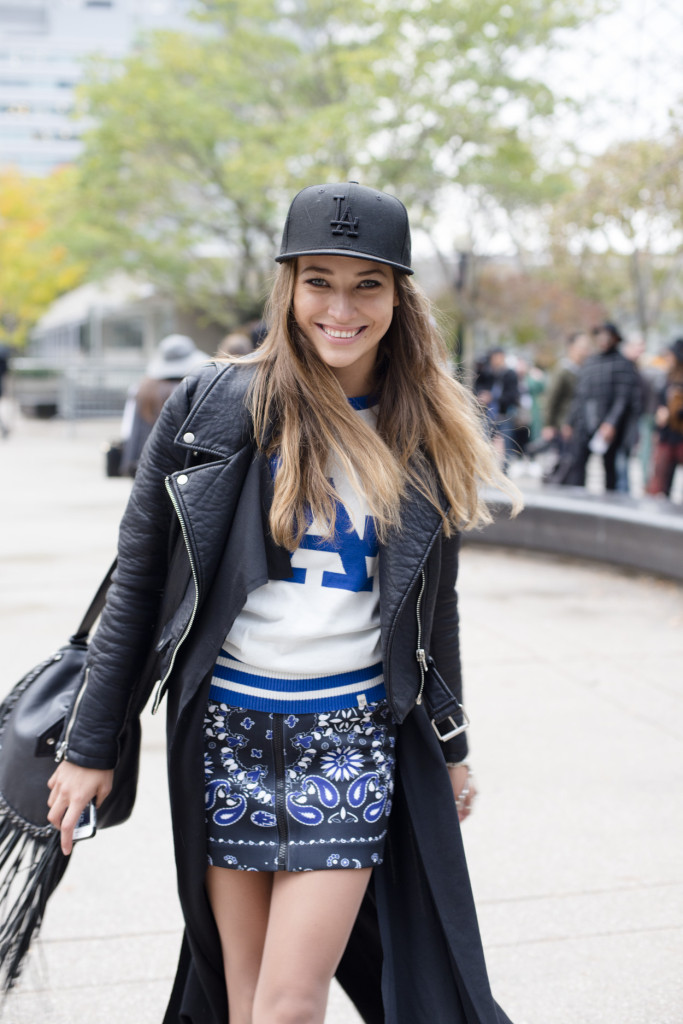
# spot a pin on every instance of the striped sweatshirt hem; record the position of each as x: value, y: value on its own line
x: 244, y: 686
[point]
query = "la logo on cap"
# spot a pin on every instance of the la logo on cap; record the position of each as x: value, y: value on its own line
x: 345, y: 222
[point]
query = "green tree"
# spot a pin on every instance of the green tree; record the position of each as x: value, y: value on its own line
x: 197, y: 140
x: 619, y: 233
x: 35, y: 264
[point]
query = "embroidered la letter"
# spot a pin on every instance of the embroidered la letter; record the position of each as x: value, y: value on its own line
x: 345, y: 221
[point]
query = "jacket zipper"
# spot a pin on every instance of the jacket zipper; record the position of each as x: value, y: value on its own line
x: 64, y: 745
x: 420, y: 653
x: 392, y: 629
x: 280, y: 805
x: 161, y: 685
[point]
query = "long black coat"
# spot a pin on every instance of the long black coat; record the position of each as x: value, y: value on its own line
x: 184, y: 588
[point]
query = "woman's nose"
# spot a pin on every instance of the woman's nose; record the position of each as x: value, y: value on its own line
x: 342, y: 306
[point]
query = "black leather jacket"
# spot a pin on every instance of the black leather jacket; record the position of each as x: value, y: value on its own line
x: 194, y: 542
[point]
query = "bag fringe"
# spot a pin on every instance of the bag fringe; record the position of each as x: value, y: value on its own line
x: 31, y: 867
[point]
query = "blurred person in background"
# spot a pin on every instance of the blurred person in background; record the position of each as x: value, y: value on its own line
x: 496, y: 385
x: 558, y: 402
x: 176, y: 356
x: 669, y: 421
x: 258, y: 332
x: 531, y: 380
x: 653, y: 367
x: 606, y: 393
x: 633, y: 351
x: 5, y: 353
x: 235, y: 344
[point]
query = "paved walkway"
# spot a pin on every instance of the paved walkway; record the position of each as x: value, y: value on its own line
x: 574, y: 685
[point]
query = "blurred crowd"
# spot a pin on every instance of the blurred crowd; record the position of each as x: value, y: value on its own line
x: 605, y: 396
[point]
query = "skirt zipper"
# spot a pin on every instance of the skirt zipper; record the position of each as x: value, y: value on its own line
x: 280, y: 790
x: 161, y: 685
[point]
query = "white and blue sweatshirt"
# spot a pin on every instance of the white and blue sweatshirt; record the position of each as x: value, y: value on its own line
x: 312, y: 642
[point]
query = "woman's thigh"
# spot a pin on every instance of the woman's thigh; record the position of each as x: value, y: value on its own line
x: 240, y: 901
x: 311, y: 917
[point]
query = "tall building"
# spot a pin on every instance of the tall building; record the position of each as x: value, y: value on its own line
x: 42, y: 47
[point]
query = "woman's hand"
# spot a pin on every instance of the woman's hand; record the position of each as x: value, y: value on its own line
x: 464, y: 789
x: 72, y: 788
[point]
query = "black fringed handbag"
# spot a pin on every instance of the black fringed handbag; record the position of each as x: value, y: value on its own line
x: 33, y: 718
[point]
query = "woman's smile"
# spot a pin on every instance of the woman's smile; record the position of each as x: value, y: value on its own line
x: 339, y: 335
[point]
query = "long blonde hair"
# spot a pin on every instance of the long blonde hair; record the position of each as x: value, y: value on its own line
x: 430, y: 431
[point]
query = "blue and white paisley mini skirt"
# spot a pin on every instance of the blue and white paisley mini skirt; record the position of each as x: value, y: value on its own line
x: 303, y: 792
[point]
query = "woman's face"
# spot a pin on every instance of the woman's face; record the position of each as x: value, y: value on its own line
x: 344, y: 306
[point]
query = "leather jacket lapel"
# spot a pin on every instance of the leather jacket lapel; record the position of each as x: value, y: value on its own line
x: 205, y: 498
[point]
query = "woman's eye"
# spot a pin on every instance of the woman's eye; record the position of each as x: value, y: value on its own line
x: 317, y: 282
x: 369, y: 283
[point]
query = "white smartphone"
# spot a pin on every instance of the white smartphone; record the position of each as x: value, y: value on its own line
x: 87, y: 823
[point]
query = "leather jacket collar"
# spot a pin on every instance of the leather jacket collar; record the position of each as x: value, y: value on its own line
x: 220, y: 414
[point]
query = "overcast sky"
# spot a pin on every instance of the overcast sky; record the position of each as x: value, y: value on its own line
x: 627, y: 67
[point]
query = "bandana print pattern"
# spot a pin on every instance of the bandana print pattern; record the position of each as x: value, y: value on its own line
x: 297, y: 792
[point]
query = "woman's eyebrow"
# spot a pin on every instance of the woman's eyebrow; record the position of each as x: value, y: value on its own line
x: 328, y: 270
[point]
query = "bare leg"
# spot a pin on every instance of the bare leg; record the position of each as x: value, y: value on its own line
x: 240, y: 901
x: 311, y: 917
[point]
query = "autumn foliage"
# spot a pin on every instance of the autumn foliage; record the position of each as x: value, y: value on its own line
x: 35, y: 263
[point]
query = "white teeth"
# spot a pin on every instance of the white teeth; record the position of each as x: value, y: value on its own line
x: 341, y: 334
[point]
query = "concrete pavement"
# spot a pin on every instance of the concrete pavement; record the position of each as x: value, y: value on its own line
x: 574, y: 684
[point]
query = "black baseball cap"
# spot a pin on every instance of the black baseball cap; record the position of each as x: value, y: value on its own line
x: 347, y: 219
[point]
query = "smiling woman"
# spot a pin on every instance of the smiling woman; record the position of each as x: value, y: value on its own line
x: 316, y: 732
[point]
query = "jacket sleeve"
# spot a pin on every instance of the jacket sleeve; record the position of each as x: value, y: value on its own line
x: 121, y: 644
x: 556, y: 399
x: 445, y: 638
x: 577, y: 409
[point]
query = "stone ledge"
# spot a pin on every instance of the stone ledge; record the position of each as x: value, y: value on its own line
x: 644, y: 534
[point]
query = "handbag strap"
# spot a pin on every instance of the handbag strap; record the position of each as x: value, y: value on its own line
x: 96, y: 605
